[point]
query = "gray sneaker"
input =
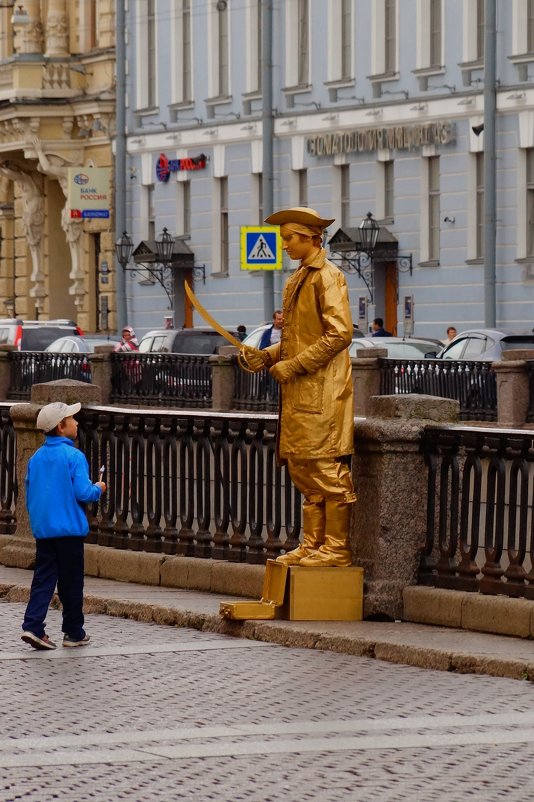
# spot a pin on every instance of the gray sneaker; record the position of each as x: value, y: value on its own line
x: 36, y: 642
x: 68, y: 640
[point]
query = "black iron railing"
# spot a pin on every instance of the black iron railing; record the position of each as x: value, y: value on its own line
x: 530, y: 375
x: 255, y: 391
x: 480, y: 527
x: 175, y: 380
x: 33, y: 367
x: 473, y: 384
x: 198, y: 484
x: 8, y: 472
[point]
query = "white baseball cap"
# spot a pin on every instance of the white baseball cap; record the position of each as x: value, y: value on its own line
x: 49, y: 417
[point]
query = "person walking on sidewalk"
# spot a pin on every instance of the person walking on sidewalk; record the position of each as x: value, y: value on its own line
x: 57, y: 487
x: 312, y: 365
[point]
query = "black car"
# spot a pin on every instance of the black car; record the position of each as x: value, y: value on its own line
x: 183, y: 341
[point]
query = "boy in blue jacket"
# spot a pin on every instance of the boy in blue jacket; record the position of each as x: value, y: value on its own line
x: 57, y: 487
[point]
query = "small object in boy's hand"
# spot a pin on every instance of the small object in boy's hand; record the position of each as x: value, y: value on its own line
x: 101, y: 472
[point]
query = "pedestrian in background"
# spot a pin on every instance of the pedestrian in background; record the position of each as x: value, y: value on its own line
x: 57, y: 487
x: 377, y: 327
x: 129, y: 340
x: 272, y: 335
x: 451, y: 334
x: 241, y: 332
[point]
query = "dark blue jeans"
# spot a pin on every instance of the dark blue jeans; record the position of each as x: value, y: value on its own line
x: 58, y: 560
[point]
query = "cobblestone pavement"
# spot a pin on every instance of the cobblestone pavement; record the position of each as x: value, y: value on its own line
x: 150, y: 713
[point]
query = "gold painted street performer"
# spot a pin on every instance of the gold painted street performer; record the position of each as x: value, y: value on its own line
x: 312, y: 365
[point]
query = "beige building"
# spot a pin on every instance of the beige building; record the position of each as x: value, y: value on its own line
x: 57, y: 100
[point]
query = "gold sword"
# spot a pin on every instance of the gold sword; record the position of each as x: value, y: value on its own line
x: 209, y: 319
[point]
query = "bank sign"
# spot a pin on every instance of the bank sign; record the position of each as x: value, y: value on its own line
x: 165, y: 166
x: 394, y: 137
x: 89, y: 192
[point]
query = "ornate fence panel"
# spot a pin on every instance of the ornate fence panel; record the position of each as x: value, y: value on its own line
x: 33, y: 367
x: 255, y: 391
x: 8, y: 472
x: 171, y: 380
x: 198, y: 484
x: 480, y: 527
x: 530, y: 374
x: 473, y: 384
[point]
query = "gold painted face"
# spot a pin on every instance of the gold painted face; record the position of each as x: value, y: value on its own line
x: 297, y: 246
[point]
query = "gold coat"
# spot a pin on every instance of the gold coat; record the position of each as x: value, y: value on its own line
x: 316, y: 410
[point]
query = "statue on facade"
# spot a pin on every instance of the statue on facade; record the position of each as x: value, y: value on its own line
x: 32, y: 220
x: 56, y: 167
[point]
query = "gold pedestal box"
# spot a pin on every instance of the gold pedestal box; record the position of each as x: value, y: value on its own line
x: 303, y: 594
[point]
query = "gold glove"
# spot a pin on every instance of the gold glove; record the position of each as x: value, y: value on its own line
x: 254, y: 359
x: 286, y: 370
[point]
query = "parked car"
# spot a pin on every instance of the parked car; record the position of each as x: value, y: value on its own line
x: 81, y: 345
x: 253, y: 339
x: 183, y: 341
x: 34, y: 335
x: 483, y: 345
x: 397, y: 347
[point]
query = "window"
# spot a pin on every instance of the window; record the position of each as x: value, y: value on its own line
x: 302, y: 177
x: 390, y: 36
x: 151, y: 54
x: 224, y: 229
x: 480, y: 30
x: 184, y: 208
x: 303, y: 40
x: 223, y: 49
x: 479, y: 205
x: 388, y: 189
x: 475, y: 347
x: 259, y: 196
x: 530, y: 201
x: 151, y: 233
x: 187, y: 91
x: 433, y: 208
x: 346, y: 39
x: 146, y: 45
x: 435, y: 33
x: 344, y: 175
x: 530, y: 26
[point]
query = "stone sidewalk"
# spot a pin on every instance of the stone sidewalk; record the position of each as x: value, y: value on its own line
x: 421, y: 645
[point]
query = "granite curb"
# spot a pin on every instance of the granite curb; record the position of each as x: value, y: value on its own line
x: 398, y: 643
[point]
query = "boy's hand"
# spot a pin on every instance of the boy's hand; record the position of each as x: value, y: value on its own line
x: 102, y: 486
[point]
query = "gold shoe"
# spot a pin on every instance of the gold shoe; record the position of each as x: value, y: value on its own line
x: 294, y: 557
x: 341, y: 558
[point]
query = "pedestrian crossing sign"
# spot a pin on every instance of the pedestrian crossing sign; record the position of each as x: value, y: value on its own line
x: 261, y: 248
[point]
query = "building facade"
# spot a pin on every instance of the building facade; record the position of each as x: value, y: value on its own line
x: 57, y: 110
x: 377, y: 107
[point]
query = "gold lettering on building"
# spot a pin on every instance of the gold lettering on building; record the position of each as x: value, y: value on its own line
x: 396, y: 137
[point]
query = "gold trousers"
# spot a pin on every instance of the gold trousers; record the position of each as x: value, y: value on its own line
x: 321, y: 480
x: 328, y: 495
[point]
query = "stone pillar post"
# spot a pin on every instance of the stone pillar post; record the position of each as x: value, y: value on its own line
x: 5, y: 371
x: 101, y: 370
x: 512, y: 387
x: 222, y: 392
x: 366, y: 378
x: 19, y: 551
x: 389, y: 519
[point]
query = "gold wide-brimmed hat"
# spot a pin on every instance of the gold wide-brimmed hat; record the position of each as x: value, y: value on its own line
x: 302, y: 215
